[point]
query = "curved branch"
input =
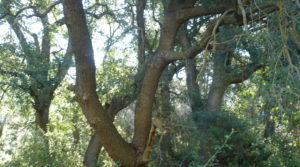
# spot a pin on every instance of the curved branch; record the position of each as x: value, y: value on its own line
x: 43, y: 14
x: 244, y: 75
x: 188, y: 13
x: 112, y: 141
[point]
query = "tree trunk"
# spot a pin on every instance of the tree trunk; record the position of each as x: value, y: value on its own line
x: 121, y: 151
x: 76, y: 131
x: 166, y: 110
x: 269, y: 123
x: 191, y: 71
x: 143, y: 111
x: 42, y: 118
x: 99, y: 120
x: 219, y: 84
x: 215, y: 97
x: 93, y: 151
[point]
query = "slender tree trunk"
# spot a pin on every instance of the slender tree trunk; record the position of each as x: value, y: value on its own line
x: 166, y: 110
x: 196, y: 102
x: 269, y: 123
x: 93, y: 151
x: 76, y: 131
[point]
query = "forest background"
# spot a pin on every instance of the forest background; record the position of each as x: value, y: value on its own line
x: 149, y: 83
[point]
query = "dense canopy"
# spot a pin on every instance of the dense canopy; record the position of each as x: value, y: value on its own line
x: 135, y: 83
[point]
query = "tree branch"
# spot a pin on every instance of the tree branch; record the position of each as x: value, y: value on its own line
x: 212, y: 27
x: 244, y: 75
x: 99, y: 16
x: 114, y: 144
x: 63, y: 67
x: 188, y: 13
x: 43, y: 14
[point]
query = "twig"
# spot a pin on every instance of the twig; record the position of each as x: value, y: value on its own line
x: 219, y: 150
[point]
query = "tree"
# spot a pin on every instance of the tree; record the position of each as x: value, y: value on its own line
x: 219, y: 44
x: 175, y: 14
x: 41, y: 74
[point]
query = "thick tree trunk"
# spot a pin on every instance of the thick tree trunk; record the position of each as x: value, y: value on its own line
x: 219, y: 83
x: 192, y: 85
x: 42, y: 118
x: 143, y: 111
x: 154, y: 70
x: 42, y: 102
x: 115, y: 145
x: 42, y: 106
x: 215, y: 97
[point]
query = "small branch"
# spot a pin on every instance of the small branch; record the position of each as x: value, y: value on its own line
x: 2, y: 123
x: 48, y: 10
x: 219, y: 150
x: 99, y: 16
x: 63, y: 67
x: 203, y: 43
x: 241, y: 6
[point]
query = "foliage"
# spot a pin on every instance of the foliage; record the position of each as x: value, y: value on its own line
x: 258, y: 124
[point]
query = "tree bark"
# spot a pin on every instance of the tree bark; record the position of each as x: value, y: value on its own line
x: 154, y: 70
x: 219, y: 83
x: 42, y: 102
x: 121, y: 151
x: 191, y: 74
x: 93, y: 151
x: 42, y: 118
x: 112, y: 141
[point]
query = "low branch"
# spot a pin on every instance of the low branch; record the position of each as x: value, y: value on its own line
x: 188, y: 13
x: 244, y: 75
x: 118, y: 103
